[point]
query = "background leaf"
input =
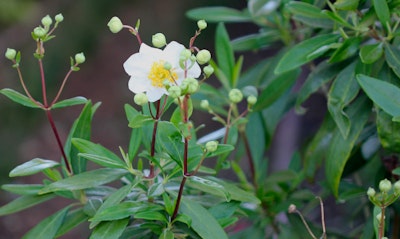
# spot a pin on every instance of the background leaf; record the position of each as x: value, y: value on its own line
x: 224, y: 52
x: 18, y: 98
x: 218, y: 14
x: 33, y: 166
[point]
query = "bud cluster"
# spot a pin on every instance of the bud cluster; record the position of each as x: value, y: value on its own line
x: 388, y: 193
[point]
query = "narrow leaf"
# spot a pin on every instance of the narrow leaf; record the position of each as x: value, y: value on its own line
x: 384, y: 94
x: 224, y: 52
x: 308, y: 14
x: 111, y: 229
x: 202, y: 221
x: 299, y: 54
x: 218, y: 14
x: 208, y: 186
x: 85, y: 180
x: 392, y: 55
x: 24, y: 202
x: 72, y: 220
x: 19, y: 98
x: 33, y: 166
x: 382, y: 11
x: 47, y: 229
x: 340, y: 149
x: 79, y: 100
x: 371, y: 53
x: 23, y: 189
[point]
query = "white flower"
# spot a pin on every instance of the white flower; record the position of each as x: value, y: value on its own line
x: 148, y: 73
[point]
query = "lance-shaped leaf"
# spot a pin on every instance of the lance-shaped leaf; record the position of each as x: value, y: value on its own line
x: 33, y: 166
x: 218, y: 14
x: 371, y: 53
x: 384, y: 94
x: 73, y: 219
x: 85, y: 180
x: 24, y: 202
x: 308, y: 14
x: 19, y: 98
x: 392, y: 55
x: 111, y: 229
x: 305, y: 52
x: 208, y: 186
x: 47, y: 229
x: 342, y: 92
x: 340, y: 148
x: 382, y: 11
x: 79, y: 100
x: 224, y: 53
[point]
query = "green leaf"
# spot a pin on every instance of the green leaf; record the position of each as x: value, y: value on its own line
x: 19, y: 98
x: 388, y: 131
x: 23, y: 189
x: 82, y: 129
x: 98, y: 154
x: 224, y: 52
x: 139, y: 120
x: 347, y: 49
x: 221, y: 149
x: 152, y: 216
x: 208, y: 186
x: 299, y: 54
x: 167, y: 234
x: 308, y: 14
x: 348, y: 5
x: 202, y: 221
x: 85, y: 180
x: 47, y: 229
x: 33, y: 166
x: 320, y: 76
x: 72, y: 220
x: 79, y: 100
x: 111, y: 229
x: 235, y: 192
x: 255, y: 41
x: 337, y: 18
x: 392, y: 55
x: 340, y: 148
x: 218, y: 14
x: 382, y: 93
x: 371, y: 53
x: 396, y: 171
x: 382, y: 11
x: 276, y: 88
x: 24, y: 202
x: 343, y: 90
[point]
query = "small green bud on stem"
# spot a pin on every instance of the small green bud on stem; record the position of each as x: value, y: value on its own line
x: 203, y: 57
x: 115, y: 25
x: 140, y: 99
x: 159, y: 40
x: 202, y: 24
x: 235, y: 96
x: 80, y: 58
x: 10, y: 54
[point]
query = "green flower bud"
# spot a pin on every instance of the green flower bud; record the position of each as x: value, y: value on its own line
x: 203, y: 57
x: 202, y: 24
x: 159, y: 40
x: 174, y: 91
x: 115, y: 25
x: 397, y: 187
x: 190, y: 85
x: 140, y: 99
x: 185, y: 54
x: 10, y: 54
x: 371, y: 192
x: 59, y: 17
x: 167, y: 66
x: 39, y: 32
x: 251, y: 100
x: 47, y: 21
x: 235, y: 96
x: 208, y: 70
x: 212, y: 146
x: 204, y: 104
x: 292, y: 208
x: 385, y: 185
x: 80, y: 58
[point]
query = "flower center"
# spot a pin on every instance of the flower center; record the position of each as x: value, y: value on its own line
x: 158, y: 74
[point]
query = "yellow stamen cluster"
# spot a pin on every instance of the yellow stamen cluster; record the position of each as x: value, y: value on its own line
x: 158, y: 74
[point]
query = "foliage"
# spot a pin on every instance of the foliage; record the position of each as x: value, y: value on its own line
x: 159, y: 187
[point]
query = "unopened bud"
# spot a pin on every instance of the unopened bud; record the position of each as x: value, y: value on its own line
x: 204, y: 104
x: 385, y: 185
x: 159, y: 40
x: 397, y: 187
x: 208, y: 70
x: 10, y: 54
x: 292, y: 208
x: 59, y: 17
x: 140, y: 99
x: 190, y: 85
x: 39, y: 32
x: 212, y: 146
x: 80, y: 58
x: 174, y: 91
x: 235, y: 96
x: 203, y: 57
x: 47, y: 21
x: 185, y: 54
x: 115, y: 25
x: 251, y: 100
x: 167, y: 66
x: 371, y: 192
x: 202, y: 24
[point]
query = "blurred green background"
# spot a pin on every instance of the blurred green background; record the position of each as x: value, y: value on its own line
x: 25, y: 133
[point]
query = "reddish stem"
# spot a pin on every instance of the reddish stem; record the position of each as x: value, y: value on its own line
x: 43, y: 84
x: 60, y: 145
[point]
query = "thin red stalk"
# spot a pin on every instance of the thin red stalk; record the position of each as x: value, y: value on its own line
x: 185, y: 157
x: 62, y: 87
x: 43, y: 84
x: 178, y: 199
x: 134, y: 32
x: 153, y: 139
x: 21, y: 79
x: 60, y: 145
x: 382, y: 223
